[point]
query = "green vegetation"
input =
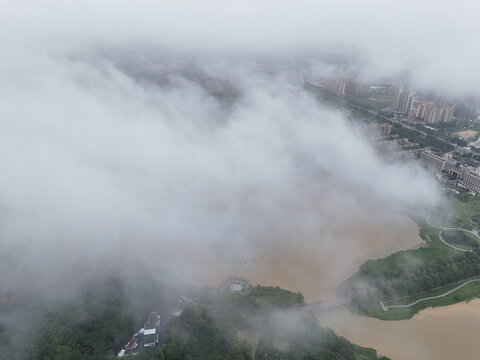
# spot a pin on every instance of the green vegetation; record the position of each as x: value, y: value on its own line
x: 410, y: 273
x: 428, y: 271
x: 459, y: 210
x: 466, y: 293
x: 271, y: 322
x: 362, y: 115
x: 434, y: 143
x: 459, y: 237
x: 100, y: 319
x: 92, y: 323
x: 373, y: 102
x: 92, y: 327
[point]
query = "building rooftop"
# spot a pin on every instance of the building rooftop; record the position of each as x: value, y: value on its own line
x: 149, y: 339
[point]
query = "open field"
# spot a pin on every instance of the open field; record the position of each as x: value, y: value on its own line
x: 359, y: 115
x: 374, y: 102
x: 466, y: 134
x: 458, y: 211
x: 462, y: 239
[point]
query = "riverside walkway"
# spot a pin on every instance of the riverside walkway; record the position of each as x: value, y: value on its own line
x: 442, y: 229
x: 385, y: 307
x: 427, y: 219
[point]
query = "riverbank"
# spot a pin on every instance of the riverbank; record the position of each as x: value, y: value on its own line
x: 417, y: 278
x: 313, y: 263
x: 405, y: 308
x: 426, y: 336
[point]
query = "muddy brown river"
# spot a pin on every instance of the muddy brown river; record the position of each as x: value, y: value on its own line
x: 315, y: 266
x: 444, y: 333
x: 309, y: 264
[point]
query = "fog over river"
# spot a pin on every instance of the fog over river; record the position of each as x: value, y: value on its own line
x: 301, y: 265
x: 182, y: 135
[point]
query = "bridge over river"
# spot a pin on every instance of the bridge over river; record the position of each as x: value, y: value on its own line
x: 328, y: 303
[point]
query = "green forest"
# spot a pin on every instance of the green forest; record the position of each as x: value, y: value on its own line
x: 273, y: 319
x: 100, y: 320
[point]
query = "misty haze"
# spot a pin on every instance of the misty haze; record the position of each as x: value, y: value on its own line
x: 239, y: 180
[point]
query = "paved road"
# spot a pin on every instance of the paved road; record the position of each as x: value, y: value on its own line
x: 385, y: 307
x: 442, y: 229
x: 427, y: 219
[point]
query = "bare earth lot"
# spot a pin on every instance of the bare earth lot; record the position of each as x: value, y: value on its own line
x: 467, y: 134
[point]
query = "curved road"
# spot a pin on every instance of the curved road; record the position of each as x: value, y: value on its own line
x: 442, y: 229
x: 427, y: 219
x: 385, y: 308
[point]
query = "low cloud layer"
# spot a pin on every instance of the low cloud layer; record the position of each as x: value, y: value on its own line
x: 103, y: 166
x: 136, y: 128
x: 433, y: 42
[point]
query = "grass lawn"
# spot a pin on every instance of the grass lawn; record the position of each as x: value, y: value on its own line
x: 465, y: 210
x: 461, y: 239
x: 376, y: 103
x: 435, y: 247
x: 359, y: 115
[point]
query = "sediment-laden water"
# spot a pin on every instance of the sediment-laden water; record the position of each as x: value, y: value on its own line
x: 443, y: 333
x: 314, y: 265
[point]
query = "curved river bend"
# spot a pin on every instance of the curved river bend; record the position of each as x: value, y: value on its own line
x: 316, y: 266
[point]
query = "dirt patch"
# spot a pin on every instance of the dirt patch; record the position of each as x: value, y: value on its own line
x: 467, y: 134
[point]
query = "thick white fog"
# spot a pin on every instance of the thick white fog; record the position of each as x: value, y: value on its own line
x: 99, y: 165
x: 434, y: 41
x: 101, y: 160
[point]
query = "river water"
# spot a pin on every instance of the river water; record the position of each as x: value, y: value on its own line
x: 444, y: 333
x: 316, y: 266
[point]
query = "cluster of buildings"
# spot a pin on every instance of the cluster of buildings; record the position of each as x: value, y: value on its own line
x: 340, y: 86
x: 148, y: 336
x: 432, y: 112
x: 451, y: 171
x: 429, y: 112
x: 151, y: 331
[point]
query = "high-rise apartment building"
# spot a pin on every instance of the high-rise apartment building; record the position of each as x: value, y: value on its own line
x: 431, y: 114
x: 336, y: 86
x: 403, y: 100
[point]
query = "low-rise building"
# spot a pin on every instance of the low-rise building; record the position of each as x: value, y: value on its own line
x: 466, y: 176
x: 151, y: 332
x: 432, y: 161
x: 470, y: 180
